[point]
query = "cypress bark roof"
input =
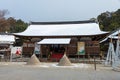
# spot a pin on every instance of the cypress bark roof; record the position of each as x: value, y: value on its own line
x: 60, y: 29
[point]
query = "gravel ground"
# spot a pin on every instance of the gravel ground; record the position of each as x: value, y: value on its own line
x: 50, y: 71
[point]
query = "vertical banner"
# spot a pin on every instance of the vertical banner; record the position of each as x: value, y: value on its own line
x: 37, y: 49
x: 81, y: 48
x: 15, y: 52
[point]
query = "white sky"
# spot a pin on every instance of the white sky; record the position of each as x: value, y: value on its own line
x: 57, y: 10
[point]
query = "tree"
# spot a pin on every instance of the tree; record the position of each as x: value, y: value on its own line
x: 11, y: 24
x: 16, y: 25
x: 20, y: 26
x: 109, y: 21
x: 3, y: 23
x: 11, y: 21
x: 3, y: 13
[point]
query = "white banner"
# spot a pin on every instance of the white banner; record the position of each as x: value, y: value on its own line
x: 37, y: 49
x: 15, y: 50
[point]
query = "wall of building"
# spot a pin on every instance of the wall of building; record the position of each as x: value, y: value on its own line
x: 91, y: 48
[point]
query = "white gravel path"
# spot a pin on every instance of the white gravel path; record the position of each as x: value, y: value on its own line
x: 50, y: 71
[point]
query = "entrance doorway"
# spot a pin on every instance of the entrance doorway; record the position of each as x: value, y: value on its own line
x: 57, y: 48
x: 56, y: 51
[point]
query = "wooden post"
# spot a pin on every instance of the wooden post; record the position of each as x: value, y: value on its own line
x: 78, y: 57
x: 41, y: 51
x: 118, y: 35
x: 88, y: 58
x: 94, y: 63
x: 111, y: 54
x: 111, y: 39
x: 65, y: 50
x: 83, y: 58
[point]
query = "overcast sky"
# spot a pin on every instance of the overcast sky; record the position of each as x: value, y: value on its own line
x: 57, y: 10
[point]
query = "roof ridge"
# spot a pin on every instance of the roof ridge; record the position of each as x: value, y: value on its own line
x: 63, y: 22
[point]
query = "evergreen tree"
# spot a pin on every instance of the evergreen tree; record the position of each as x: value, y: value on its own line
x: 109, y: 21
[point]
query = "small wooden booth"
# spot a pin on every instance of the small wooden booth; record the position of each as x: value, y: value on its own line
x: 6, y: 41
x: 83, y: 38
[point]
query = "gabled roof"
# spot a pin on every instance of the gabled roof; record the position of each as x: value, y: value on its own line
x: 62, y: 29
x: 114, y: 35
x: 7, y: 39
x: 55, y: 41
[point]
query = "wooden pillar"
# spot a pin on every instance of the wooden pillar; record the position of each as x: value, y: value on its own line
x: 118, y: 36
x: 40, y: 50
x: 65, y: 50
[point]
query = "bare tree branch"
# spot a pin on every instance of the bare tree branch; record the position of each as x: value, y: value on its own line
x: 3, y: 13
